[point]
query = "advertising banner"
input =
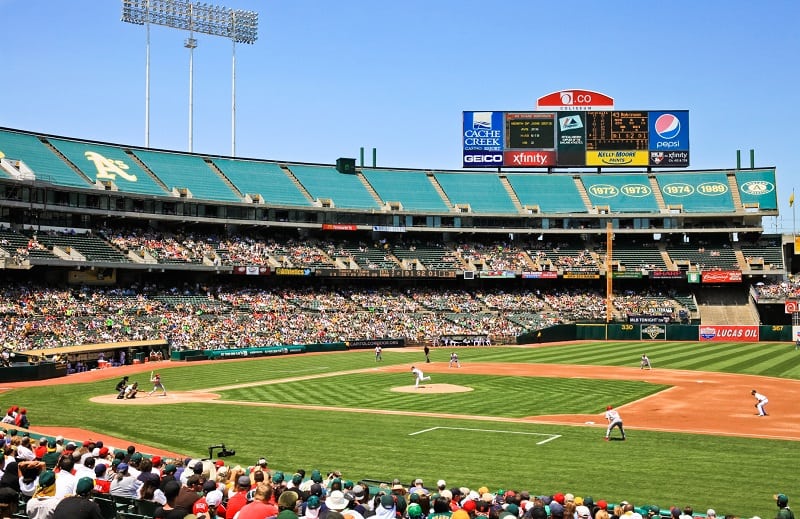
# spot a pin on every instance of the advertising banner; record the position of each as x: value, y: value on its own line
x: 729, y: 333
x: 721, y: 276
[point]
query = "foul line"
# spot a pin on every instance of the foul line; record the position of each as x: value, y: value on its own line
x: 550, y: 437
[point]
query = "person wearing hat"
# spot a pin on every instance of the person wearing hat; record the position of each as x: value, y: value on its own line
x: 124, y: 484
x: 43, y: 501
x: 210, y: 504
x: 239, y: 499
x: 614, y: 420
x: 783, y: 504
x: 120, y: 387
x: 287, y: 503
x: 761, y: 402
x: 386, y: 506
x: 155, y: 379
x: 311, y: 507
x: 79, y: 506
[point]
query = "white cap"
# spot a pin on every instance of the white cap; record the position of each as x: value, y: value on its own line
x: 711, y: 512
x: 441, y: 483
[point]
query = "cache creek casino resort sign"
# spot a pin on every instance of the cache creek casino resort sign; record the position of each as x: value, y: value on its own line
x: 575, y: 128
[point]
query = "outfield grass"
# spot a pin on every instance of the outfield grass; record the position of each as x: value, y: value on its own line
x: 733, y: 475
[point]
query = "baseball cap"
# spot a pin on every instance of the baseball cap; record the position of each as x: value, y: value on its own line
x: 243, y: 481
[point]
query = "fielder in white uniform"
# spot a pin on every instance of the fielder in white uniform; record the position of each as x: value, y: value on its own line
x: 420, y: 376
x: 614, y: 420
x: 761, y: 402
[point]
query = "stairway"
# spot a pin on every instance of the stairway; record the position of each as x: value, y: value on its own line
x: 584, y: 195
x: 370, y: 189
x: 662, y: 206
x: 734, y: 187
x: 297, y: 183
x: 511, y: 193
x: 438, y: 188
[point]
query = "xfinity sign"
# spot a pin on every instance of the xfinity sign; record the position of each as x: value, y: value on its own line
x: 482, y: 159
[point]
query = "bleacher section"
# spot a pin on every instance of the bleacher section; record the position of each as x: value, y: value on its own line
x: 433, y: 257
x: 91, y: 247
x: 757, y: 189
x: 262, y: 178
x: 413, y: 189
x: 113, y: 164
x: 483, y: 192
x: 767, y: 250
x: 324, y: 182
x: 634, y: 258
x: 46, y: 165
x: 552, y: 193
x: 11, y: 242
x: 704, y: 257
x: 701, y: 192
x: 370, y: 257
x: 177, y: 170
x: 621, y: 193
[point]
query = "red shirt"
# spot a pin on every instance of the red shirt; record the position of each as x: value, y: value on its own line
x: 258, y: 510
x: 200, y: 507
x: 102, y: 486
x: 236, y: 502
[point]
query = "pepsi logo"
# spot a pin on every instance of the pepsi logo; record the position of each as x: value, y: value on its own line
x: 668, y: 126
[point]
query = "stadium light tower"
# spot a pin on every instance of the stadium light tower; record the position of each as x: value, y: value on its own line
x: 238, y: 25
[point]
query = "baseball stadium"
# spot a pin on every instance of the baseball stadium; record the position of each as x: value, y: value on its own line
x: 227, y: 312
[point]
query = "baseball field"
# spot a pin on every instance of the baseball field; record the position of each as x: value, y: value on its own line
x: 525, y: 418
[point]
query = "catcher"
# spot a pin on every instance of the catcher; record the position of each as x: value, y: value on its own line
x: 157, y: 385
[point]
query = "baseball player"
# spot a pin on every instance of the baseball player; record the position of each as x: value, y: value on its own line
x: 157, y: 385
x: 454, y: 360
x: 645, y: 363
x: 378, y: 353
x: 614, y: 420
x: 419, y: 375
x: 761, y: 402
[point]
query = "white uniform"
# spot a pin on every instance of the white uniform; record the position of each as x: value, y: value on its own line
x: 454, y: 360
x: 614, y: 420
x: 761, y: 401
x: 419, y: 375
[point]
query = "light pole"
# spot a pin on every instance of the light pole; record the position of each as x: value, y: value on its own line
x: 238, y: 25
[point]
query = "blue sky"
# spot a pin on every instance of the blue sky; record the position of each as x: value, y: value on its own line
x: 326, y: 78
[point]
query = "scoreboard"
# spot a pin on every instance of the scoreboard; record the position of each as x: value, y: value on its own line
x: 576, y: 139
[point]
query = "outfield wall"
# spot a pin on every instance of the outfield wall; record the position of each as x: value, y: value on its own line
x: 659, y: 332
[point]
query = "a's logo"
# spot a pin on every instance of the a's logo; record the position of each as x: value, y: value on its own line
x: 482, y: 120
x: 109, y: 169
x: 570, y: 122
x: 668, y: 126
x: 757, y: 187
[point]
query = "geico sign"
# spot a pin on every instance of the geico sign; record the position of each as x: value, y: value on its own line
x: 571, y: 98
x: 491, y: 158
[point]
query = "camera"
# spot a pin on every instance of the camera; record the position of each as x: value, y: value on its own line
x: 223, y: 451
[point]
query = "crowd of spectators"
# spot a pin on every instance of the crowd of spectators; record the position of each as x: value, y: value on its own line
x: 315, y: 252
x: 36, y: 317
x: 56, y: 478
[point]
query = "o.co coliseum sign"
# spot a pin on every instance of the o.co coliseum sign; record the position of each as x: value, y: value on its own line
x: 575, y: 99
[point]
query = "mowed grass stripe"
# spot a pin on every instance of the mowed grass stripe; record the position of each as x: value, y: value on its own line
x: 502, y: 396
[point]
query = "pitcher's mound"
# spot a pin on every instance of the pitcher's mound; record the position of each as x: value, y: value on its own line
x: 174, y: 397
x: 432, y: 388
